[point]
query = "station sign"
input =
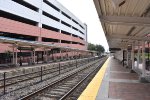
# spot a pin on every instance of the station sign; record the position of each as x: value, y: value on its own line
x: 25, y: 48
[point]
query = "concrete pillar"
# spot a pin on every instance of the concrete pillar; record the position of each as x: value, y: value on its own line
x: 60, y: 22
x: 138, y: 55
x: 72, y: 54
x: 59, y: 31
x: 40, y: 23
x: 143, y: 59
x: 34, y: 56
x: 127, y: 58
x: 16, y: 58
x: 60, y: 54
x: 67, y: 54
x: 45, y: 56
x: 132, y: 56
x: 123, y: 57
x: 13, y: 60
x: 31, y: 57
x: 52, y: 54
x: 76, y: 54
x: 142, y: 77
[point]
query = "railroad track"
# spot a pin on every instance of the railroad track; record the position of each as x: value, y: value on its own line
x: 51, y: 72
x: 64, y: 87
x: 24, y: 87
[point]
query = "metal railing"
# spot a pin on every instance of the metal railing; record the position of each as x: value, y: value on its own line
x: 41, y: 74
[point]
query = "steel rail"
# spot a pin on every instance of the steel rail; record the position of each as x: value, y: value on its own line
x: 53, y: 83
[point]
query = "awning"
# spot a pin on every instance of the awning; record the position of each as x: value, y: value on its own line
x: 36, y: 44
x: 124, y: 21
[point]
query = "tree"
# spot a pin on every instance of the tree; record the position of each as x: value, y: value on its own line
x: 91, y: 46
x: 98, y: 48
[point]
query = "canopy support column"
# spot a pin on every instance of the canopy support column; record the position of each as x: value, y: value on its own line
x: 142, y: 77
x: 138, y: 56
x: 13, y: 60
x: 127, y: 57
x: 45, y: 55
x: 31, y: 57
x: 60, y: 52
x: 143, y: 57
x: 132, y: 58
x: 16, y: 58
x: 46, y: 52
x: 34, y: 56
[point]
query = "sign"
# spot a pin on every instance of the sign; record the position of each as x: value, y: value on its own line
x: 25, y: 48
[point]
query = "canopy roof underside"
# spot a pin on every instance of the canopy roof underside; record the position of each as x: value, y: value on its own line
x: 124, y: 21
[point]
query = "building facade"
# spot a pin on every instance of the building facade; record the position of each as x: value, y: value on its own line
x: 40, y: 20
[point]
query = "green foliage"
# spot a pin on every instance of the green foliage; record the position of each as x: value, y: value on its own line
x: 91, y: 46
x: 98, y: 48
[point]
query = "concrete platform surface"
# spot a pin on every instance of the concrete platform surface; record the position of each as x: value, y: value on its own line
x: 116, y: 83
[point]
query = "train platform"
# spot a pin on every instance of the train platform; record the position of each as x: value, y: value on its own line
x: 115, y: 82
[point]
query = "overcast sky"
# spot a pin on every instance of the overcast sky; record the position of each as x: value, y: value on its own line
x: 86, y: 12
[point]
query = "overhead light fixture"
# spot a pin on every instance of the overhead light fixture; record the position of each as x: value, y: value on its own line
x: 118, y: 3
x: 131, y: 30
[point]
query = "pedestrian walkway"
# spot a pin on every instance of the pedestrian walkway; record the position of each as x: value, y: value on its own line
x: 115, y: 82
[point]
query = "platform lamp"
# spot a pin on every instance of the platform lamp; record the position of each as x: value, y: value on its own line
x: 118, y: 3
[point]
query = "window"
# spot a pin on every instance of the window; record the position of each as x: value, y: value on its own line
x: 51, y: 5
x: 74, y: 42
x: 66, y: 33
x: 81, y: 38
x: 82, y: 44
x: 74, y: 21
x: 65, y: 23
x: 81, y: 32
x: 17, y: 18
x: 81, y: 26
x: 66, y: 15
x: 64, y: 41
x: 75, y: 28
x: 23, y: 3
x: 50, y: 40
x: 74, y: 35
x: 50, y: 28
x: 77, y: 23
x: 18, y: 36
x: 50, y: 16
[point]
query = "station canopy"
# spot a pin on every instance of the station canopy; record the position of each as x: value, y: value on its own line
x: 124, y: 21
x: 36, y: 44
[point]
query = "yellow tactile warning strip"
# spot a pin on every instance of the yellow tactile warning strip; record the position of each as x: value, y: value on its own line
x: 91, y: 90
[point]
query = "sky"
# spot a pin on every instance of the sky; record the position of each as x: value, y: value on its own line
x: 85, y: 11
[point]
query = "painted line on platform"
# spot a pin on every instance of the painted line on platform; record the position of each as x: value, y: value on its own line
x: 91, y: 90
